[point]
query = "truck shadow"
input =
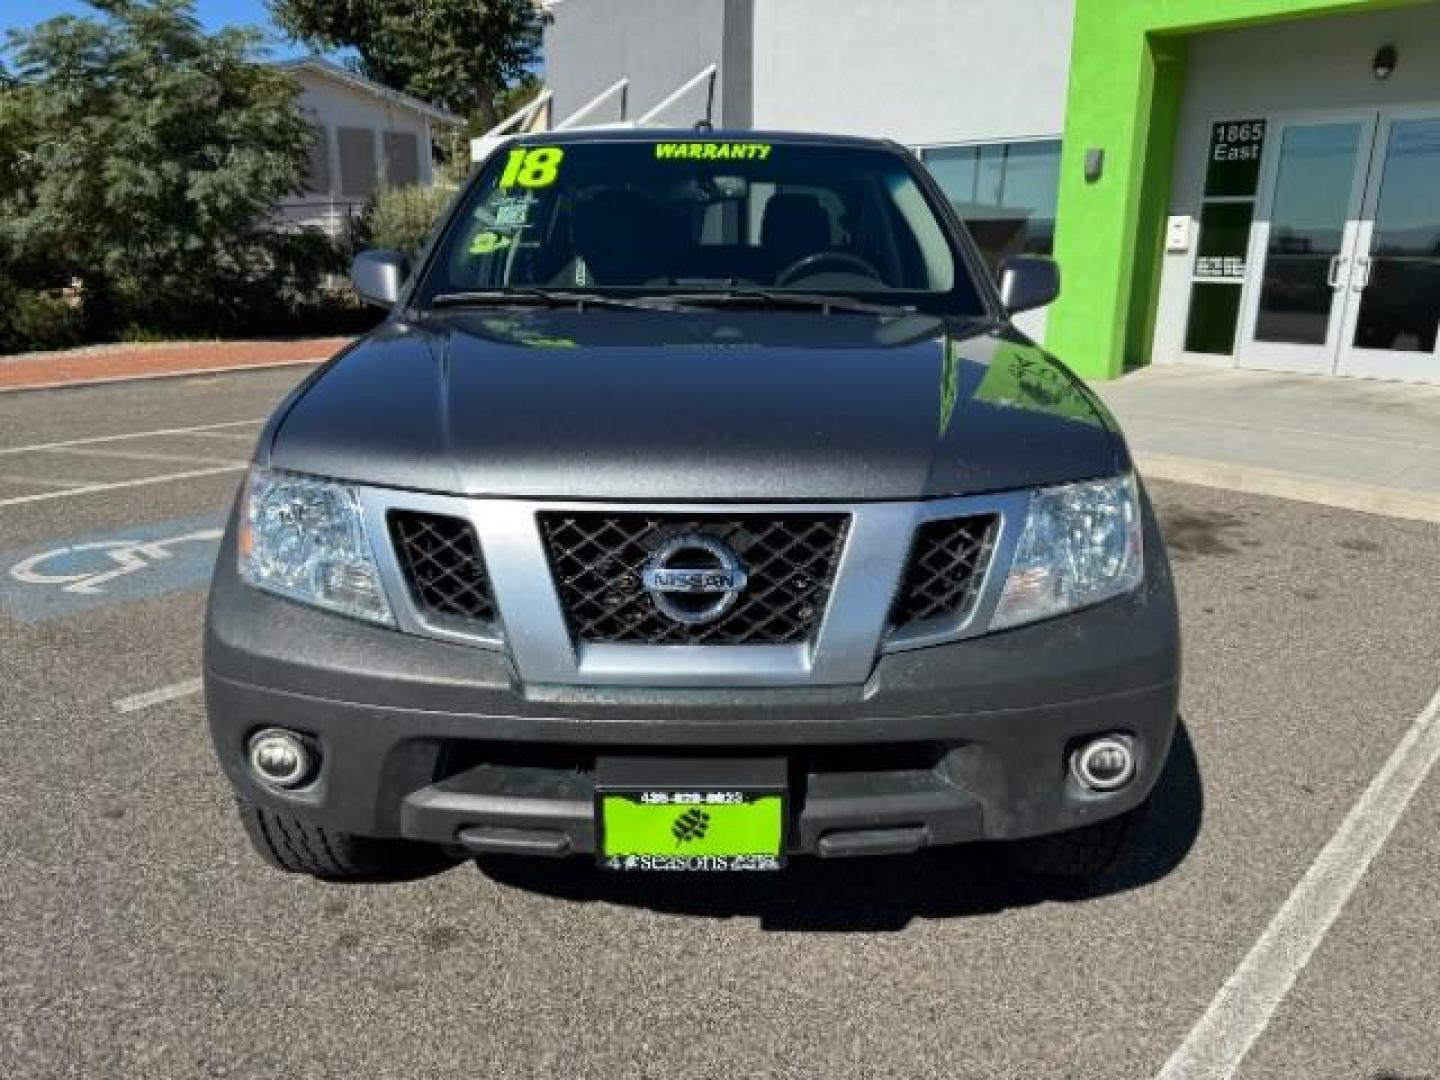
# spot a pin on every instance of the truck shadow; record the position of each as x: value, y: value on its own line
x: 881, y: 894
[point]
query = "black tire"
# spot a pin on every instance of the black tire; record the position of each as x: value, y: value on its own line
x: 1081, y: 853
x: 296, y: 846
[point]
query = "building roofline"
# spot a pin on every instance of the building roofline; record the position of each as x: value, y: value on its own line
x: 320, y: 66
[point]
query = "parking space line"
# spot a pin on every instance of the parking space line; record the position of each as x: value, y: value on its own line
x: 45, y: 481
x: 139, y: 455
x: 97, y: 489
x: 93, y: 439
x: 1245, y: 1004
x: 241, y: 435
x: 173, y: 692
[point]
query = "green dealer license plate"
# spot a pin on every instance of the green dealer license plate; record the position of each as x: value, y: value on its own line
x: 657, y: 814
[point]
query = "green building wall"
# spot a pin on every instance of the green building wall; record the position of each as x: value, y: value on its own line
x: 1127, y: 69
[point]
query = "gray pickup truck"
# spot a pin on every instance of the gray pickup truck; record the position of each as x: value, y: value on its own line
x: 696, y: 507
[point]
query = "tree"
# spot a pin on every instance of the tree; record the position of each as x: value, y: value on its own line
x: 143, y: 158
x: 460, y: 54
x: 518, y: 94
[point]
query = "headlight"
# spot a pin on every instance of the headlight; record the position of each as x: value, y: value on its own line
x: 1081, y: 545
x: 306, y: 539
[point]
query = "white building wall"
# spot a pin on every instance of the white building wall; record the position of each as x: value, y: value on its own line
x: 333, y: 105
x: 656, y: 44
x: 921, y: 72
x: 1283, y: 67
x: 917, y: 71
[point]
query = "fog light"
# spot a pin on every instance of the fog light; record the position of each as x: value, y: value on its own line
x: 280, y: 758
x: 1105, y: 764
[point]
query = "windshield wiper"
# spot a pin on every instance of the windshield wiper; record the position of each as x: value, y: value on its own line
x: 535, y: 298
x: 728, y: 297
x: 783, y: 298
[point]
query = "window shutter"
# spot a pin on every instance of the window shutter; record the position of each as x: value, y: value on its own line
x: 357, y: 162
x: 317, y: 174
x: 402, y: 158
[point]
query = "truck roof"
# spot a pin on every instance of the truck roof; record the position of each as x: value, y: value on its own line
x: 626, y: 133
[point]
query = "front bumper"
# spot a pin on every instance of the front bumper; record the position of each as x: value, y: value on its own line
x: 440, y: 742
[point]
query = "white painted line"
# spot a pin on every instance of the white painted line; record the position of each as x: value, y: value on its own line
x: 1242, y: 1009
x: 96, y: 489
x: 1252, y: 479
x: 173, y: 692
x: 242, y: 435
x: 92, y: 440
x: 45, y: 481
x: 140, y: 455
x: 229, y: 369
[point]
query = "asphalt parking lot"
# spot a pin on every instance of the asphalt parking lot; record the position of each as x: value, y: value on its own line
x: 141, y: 937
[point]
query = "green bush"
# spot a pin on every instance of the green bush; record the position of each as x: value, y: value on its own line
x: 400, y: 219
x: 31, y: 321
x: 243, y: 294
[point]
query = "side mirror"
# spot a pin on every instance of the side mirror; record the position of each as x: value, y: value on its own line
x: 1028, y: 282
x: 379, y: 275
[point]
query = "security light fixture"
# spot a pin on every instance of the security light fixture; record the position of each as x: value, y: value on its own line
x: 1385, y: 61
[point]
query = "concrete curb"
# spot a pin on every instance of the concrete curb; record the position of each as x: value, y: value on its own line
x: 1254, y: 480
x: 145, y: 376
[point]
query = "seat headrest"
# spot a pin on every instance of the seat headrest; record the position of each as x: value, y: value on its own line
x: 794, y: 225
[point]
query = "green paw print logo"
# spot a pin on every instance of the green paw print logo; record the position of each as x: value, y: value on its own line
x: 691, y: 825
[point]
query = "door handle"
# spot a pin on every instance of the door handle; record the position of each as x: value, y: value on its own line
x: 1362, y: 274
x: 1337, y: 263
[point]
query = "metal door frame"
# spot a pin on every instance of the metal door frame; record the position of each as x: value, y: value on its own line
x: 1280, y: 356
x: 1352, y: 360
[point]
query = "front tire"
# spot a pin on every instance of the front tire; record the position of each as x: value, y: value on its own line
x: 1086, y: 852
x: 296, y: 846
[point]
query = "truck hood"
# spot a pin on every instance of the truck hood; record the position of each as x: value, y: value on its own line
x: 694, y: 406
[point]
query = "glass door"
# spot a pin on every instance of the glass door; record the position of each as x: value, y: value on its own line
x: 1393, y: 306
x: 1305, y: 227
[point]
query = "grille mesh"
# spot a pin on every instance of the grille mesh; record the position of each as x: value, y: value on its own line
x: 597, y: 560
x: 947, y: 563
x: 441, y: 559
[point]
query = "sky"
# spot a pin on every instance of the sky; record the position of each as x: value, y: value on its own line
x: 21, y: 14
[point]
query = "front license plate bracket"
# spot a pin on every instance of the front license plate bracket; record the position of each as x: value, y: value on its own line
x: 706, y: 814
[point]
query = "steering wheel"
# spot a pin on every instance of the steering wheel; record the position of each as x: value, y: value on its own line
x: 806, y: 265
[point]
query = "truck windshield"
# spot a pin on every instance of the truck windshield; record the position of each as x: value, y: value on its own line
x: 670, y: 217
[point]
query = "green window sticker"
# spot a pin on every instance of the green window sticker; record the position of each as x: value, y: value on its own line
x: 487, y: 243
x: 532, y: 168
x: 712, y: 151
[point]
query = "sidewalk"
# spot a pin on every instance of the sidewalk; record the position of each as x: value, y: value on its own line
x: 114, y: 363
x: 1351, y: 443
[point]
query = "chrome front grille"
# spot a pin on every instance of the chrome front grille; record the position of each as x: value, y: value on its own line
x: 828, y: 587
x: 598, y: 558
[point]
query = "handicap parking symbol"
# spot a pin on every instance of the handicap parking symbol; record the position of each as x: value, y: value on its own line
x: 62, y: 578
